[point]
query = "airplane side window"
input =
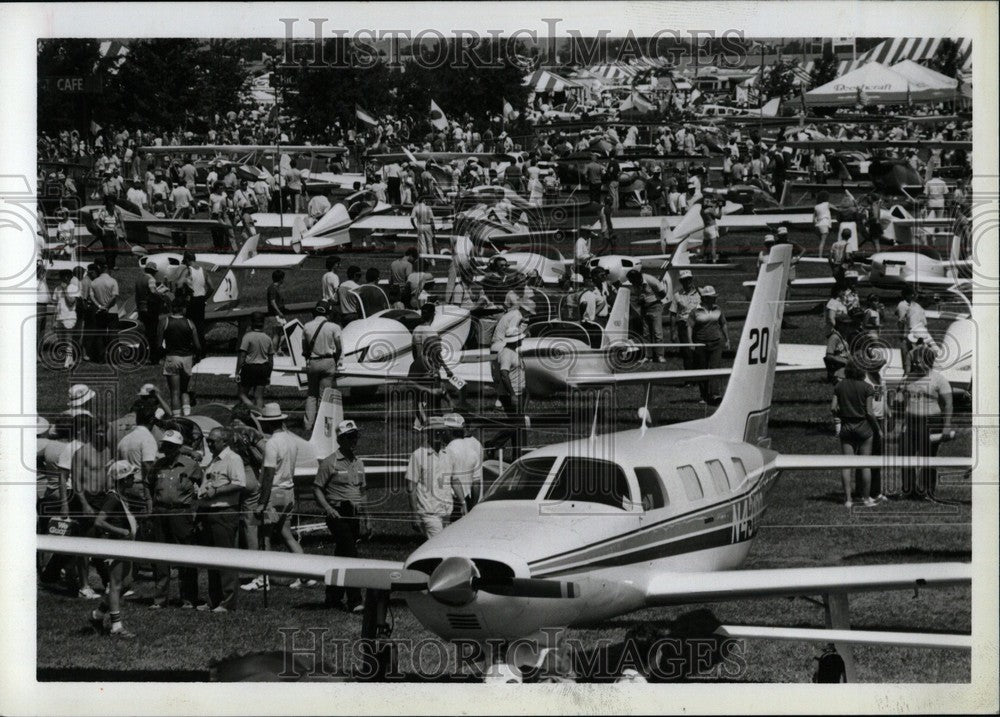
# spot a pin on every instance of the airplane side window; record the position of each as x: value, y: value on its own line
x: 719, y: 478
x: 585, y: 480
x: 692, y: 486
x: 738, y: 475
x: 654, y: 495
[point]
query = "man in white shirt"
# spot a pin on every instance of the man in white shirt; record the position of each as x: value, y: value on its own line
x: 136, y: 195
x: 223, y: 481
x: 64, y: 298
x: 330, y: 282
x: 593, y: 307
x: 466, y: 453
x: 431, y: 484
x: 935, y: 190
x: 509, y: 323
x: 277, y: 487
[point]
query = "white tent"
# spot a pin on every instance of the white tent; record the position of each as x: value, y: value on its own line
x: 930, y: 79
x: 874, y: 83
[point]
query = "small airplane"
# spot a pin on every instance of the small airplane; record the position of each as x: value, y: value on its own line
x: 586, y: 530
x: 246, y: 258
x: 329, y: 231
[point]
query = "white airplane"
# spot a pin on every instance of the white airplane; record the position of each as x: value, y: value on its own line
x: 587, y: 530
x: 893, y: 268
x: 246, y: 258
x: 954, y: 359
x: 329, y: 231
x: 378, y: 344
x: 729, y: 220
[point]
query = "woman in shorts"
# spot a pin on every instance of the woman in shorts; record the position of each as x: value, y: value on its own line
x: 853, y: 418
x: 254, y: 363
x: 178, y: 338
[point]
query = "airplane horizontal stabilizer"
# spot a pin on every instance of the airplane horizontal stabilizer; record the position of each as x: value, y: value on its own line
x: 854, y: 637
x: 820, y: 461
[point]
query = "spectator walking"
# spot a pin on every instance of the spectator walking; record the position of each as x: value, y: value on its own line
x: 178, y: 338
x: 431, y: 484
x: 254, y: 363
x: 321, y: 349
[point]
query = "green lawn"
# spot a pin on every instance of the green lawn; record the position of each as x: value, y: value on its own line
x: 805, y: 525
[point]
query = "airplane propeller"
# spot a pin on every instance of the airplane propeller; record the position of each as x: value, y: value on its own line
x: 457, y: 580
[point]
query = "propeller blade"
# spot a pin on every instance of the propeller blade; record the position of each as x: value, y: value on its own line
x: 531, y: 588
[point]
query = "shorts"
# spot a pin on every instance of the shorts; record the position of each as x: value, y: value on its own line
x: 280, y: 505
x: 855, y: 433
x: 178, y: 365
x: 255, y: 374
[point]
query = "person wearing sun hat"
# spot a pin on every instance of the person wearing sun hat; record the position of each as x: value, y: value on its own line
x: 115, y: 521
x: 683, y: 302
x: 339, y: 489
x: 466, y: 453
x: 707, y: 325
x: 80, y: 400
x: 431, y: 484
x: 277, y: 476
x: 173, y: 482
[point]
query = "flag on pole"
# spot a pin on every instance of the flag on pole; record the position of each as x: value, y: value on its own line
x: 508, y: 110
x: 365, y: 116
x: 437, y: 117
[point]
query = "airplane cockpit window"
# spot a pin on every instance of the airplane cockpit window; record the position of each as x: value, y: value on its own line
x: 585, y: 480
x: 522, y: 480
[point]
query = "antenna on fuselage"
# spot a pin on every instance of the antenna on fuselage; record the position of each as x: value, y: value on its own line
x: 597, y: 408
x: 644, y: 416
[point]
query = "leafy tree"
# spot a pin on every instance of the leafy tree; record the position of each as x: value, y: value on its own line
x: 779, y: 81
x: 61, y: 59
x: 176, y: 82
x: 945, y: 60
x: 825, y: 69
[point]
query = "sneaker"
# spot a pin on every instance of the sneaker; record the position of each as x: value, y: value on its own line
x: 220, y: 609
x: 87, y: 593
x: 128, y: 593
x: 311, y: 583
x: 882, y: 498
x: 204, y: 607
x: 296, y: 585
x: 156, y: 606
x: 661, y: 359
x: 255, y: 584
x: 187, y: 605
x: 848, y: 504
x: 357, y: 609
x: 122, y: 633
x: 869, y: 503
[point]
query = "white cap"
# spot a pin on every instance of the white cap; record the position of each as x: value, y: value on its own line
x: 686, y: 274
x: 147, y: 389
x: 174, y: 437
x: 707, y: 291
x: 117, y: 470
x: 347, y: 426
x: 454, y: 420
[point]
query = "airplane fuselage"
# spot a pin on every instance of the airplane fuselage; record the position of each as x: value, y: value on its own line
x: 669, y: 501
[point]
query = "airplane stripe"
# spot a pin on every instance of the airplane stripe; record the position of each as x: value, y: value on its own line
x: 703, y: 541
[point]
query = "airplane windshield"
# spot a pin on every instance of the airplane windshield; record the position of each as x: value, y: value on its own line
x: 522, y: 480
x: 585, y: 480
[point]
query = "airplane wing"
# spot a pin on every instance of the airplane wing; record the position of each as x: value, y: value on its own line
x: 852, y: 637
x: 676, y: 588
x: 175, y: 223
x: 671, y: 376
x: 347, y: 572
x: 817, y: 282
x: 819, y: 462
x: 732, y: 221
x: 284, y: 374
x: 259, y: 261
x: 390, y: 222
x: 245, y: 149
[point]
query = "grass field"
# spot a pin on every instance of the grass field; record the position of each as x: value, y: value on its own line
x: 805, y: 525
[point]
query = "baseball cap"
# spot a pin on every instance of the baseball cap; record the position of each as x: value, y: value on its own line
x: 147, y: 389
x: 345, y: 427
x: 707, y: 291
x: 119, y: 470
x: 782, y: 231
x: 769, y: 238
x: 454, y: 420
x: 686, y: 274
x: 174, y: 437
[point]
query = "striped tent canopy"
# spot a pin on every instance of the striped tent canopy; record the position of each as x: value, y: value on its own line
x: 115, y: 51
x: 874, y: 83
x: 543, y: 82
x: 615, y: 72
x: 918, y: 49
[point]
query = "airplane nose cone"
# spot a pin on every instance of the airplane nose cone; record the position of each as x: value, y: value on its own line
x: 451, y: 581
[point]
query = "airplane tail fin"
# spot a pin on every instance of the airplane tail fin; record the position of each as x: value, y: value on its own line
x: 688, y: 225
x: 770, y: 109
x: 743, y: 413
x: 228, y: 290
x: 324, y: 433
x: 248, y: 250
x: 616, y: 330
